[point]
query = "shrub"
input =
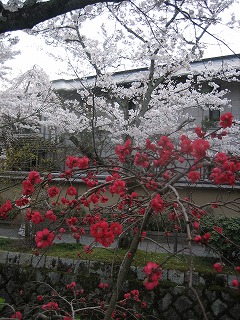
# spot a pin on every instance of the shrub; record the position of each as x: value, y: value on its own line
x: 225, y: 235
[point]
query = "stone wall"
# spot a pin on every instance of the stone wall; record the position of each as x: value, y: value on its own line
x: 24, y: 275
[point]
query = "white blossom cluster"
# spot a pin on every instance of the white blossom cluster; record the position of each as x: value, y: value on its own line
x: 161, y: 37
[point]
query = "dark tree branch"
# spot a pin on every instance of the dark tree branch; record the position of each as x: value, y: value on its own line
x: 33, y: 12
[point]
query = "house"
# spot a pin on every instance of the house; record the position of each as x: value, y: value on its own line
x: 220, y: 66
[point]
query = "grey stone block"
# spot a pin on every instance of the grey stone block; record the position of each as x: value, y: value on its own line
x: 166, y: 301
x: 51, y: 263
x: 140, y: 274
x: 195, y: 294
x: 227, y: 297
x: 190, y: 315
x: 13, y: 258
x: 182, y: 304
x: 178, y: 290
x: 171, y: 314
x: 38, y: 261
x: 176, y: 276
x: 164, y: 274
x: 211, y: 295
x: 225, y: 317
x: 209, y: 316
x: 25, y: 259
x: 40, y: 276
x: 218, y: 307
x: 3, y: 257
x: 65, y: 265
x: 195, y: 278
x: 95, y: 267
x: 235, y: 311
x: 201, y: 280
x: 54, y: 277
x: 81, y: 266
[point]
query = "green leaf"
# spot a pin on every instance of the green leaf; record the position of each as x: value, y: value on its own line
x: 2, y: 302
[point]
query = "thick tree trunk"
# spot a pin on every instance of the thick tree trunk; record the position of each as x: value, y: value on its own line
x: 124, y: 269
x: 34, y: 12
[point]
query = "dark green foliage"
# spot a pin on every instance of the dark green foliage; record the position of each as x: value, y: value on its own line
x: 228, y: 242
x: 208, y: 123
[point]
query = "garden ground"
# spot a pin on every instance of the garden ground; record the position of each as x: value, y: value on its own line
x: 11, y: 231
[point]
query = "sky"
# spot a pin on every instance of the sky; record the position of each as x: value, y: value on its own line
x: 34, y: 51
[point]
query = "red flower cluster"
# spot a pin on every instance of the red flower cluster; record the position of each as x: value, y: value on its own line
x: 75, y: 162
x: 151, y: 146
x: 165, y: 151
x: 17, y: 315
x: 72, y: 221
x: 186, y: 145
x: 153, y: 272
x: 226, y: 120
x: 28, y: 184
x: 226, y: 170
x: 50, y: 306
x: 91, y: 219
x: 44, y: 238
x: 221, y: 157
x: 71, y: 285
x: 22, y: 202
x: 207, y: 237
x: 103, y: 285
x: 34, y: 177
x: 103, y: 233
x: 235, y: 283
x: 134, y: 294
x: 53, y: 192
x: 28, y: 188
x: 50, y: 216
x: 218, y: 229
x: 218, y: 266
x: 5, y: 208
x: 199, y: 148
x: 118, y: 187
x: 34, y: 216
x: 72, y: 191
x: 128, y: 200
x: 199, y: 132
x: 151, y: 184
x: 157, y: 204
x: 141, y: 159
x: 194, y: 176
x: 122, y: 151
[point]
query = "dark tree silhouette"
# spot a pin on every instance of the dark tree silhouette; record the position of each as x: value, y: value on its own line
x: 33, y: 12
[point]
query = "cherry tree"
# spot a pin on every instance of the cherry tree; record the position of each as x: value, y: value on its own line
x: 163, y: 38
x: 6, y: 53
x: 23, y: 103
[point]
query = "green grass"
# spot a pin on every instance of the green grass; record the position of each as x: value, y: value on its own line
x: 74, y: 251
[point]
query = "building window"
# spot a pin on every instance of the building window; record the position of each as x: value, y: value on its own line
x: 214, y: 115
x: 211, y: 121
